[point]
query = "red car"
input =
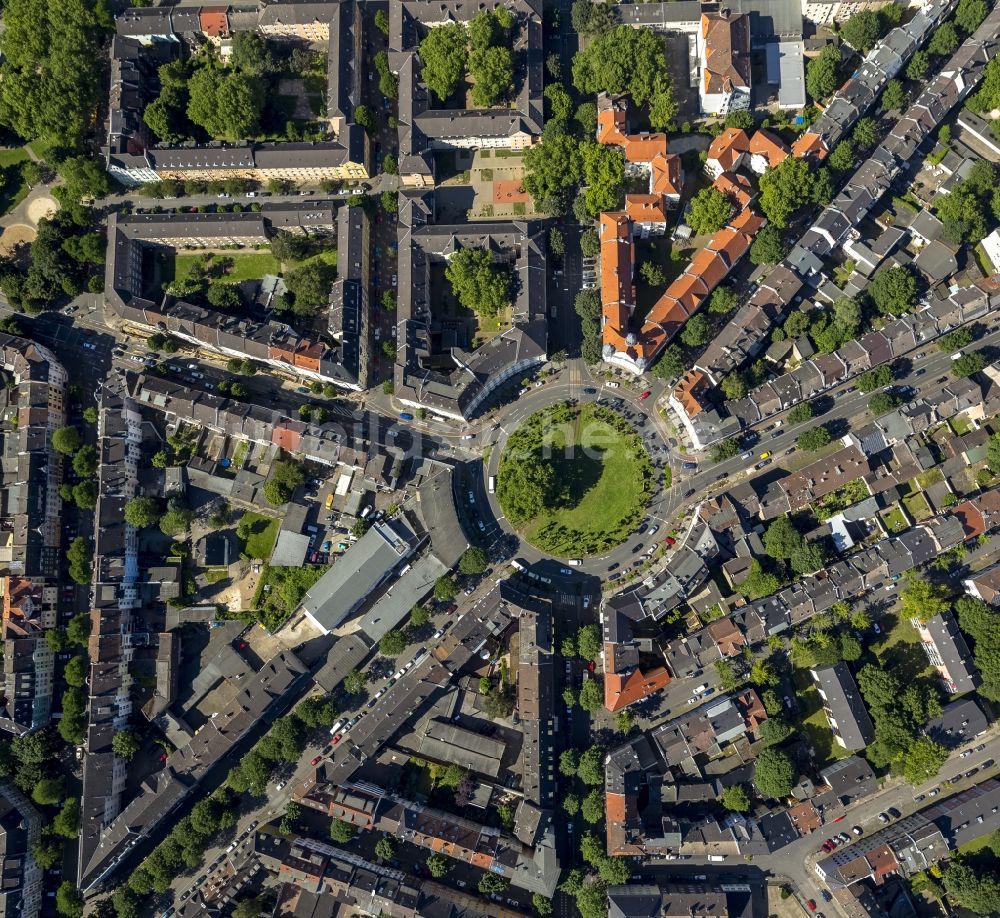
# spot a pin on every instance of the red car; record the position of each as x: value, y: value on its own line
x: 840, y: 818
x: 590, y: 666
x: 811, y: 905
x: 337, y: 739
x: 316, y: 760
x: 645, y: 395
x: 670, y: 540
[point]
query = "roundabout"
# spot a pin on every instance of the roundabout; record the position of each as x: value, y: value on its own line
x: 574, y: 480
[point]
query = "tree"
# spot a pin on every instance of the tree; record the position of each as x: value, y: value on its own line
x: 763, y: 673
x: 66, y: 440
x: 709, y: 211
x: 759, y: 583
x: 47, y: 852
x: 972, y: 887
x: 625, y: 721
x: 652, y: 274
x: 355, y: 682
x: 877, y: 378
x: 813, y: 439
x: 491, y: 882
x: 551, y: 167
x: 865, y: 134
x: 569, y: 762
x: 385, y: 848
x: 724, y: 450
x: 252, y: 907
x: 823, y: 73
x: 557, y: 241
x: 226, y: 104
x: 893, y: 290
x: 342, y: 832
x: 286, y: 476
x: 82, y: 177
x: 392, y: 643
x: 476, y: 281
x: 969, y: 15
x: 419, y: 616
x: 881, y: 402
x: 774, y: 730
x: 782, y: 539
x: 696, y: 331
x: 67, y: 821
x: 728, y: 678
x: 571, y: 804
x: 592, y: 808
x: 541, y: 903
x: 591, y: 768
x: 841, y: 159
x: 591, y: 696
x: 968, y: 364
x: 176, y: 520
x: 473, y: 561
x: 224, y: 296
x: 590, y: 243
x: 382, y: 21
x: 85, y: 494
x: 735, y: 798
x: 142, y: 512
x: 784, y: 189
x: 808, y: 558
x: 923, y: 599
x: 69, y: 900
x: 733, y: 386
x: 493, y: 71
x: 861, y: 31
x: 588, y: 641
x: 48, y: 791
x: 125, y: 744
x: 445, y: 589
x: 801, y: 413
x: 722, y: 301
x: 317, y: 711
x: 923, y: 760
x: 444, y: 58
x: 768, y: 247
x: 438, y: 865
x: 85, y: 461
x: 671, y: 363
x: 944, y: 40
x: 78, y: 629
x: 603, y: 175
x: 76, y: 669
x: 774, y: 774
x: 309, y: 286
x: 591, y: 18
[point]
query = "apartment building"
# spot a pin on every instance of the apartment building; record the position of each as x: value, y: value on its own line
x: 114, y: 616
x: 30, y: 608
x: 845, y: 710
x: 724, y: 49
x: 948, y: 653
x: 147, y: 36
x: 424, y: 125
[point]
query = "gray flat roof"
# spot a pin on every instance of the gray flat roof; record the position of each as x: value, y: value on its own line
x: 356, y: 574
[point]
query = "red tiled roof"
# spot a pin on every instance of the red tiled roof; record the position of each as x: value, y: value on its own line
x: 621, y: 691
x: 766, y: 144
x: 728, y: 147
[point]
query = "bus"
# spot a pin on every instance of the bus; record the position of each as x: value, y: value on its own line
x: 493, y: 484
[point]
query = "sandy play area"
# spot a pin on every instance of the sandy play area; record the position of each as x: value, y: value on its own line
x: 14, y: 236
x: 41, y: 207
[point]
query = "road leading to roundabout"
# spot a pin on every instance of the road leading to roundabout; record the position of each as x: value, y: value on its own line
x: 575, y: 480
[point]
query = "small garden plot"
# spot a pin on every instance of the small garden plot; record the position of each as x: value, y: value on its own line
x: 894, y: 520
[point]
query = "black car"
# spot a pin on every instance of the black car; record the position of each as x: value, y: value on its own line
x: 721, y: 475
x: 590, y: 390
x: 689, y: 492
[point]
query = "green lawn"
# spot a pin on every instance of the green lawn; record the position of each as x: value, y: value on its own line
x: 240, y: 454
x: 327, y: 256
x: 245, y: 266
x: 811, y: 720
x: 216, y: 574
x: 917, y: 506
x: 899, y: 649
x: 894, y: 520
x: 960, y: 424
x: 607, y: 475
x: 264, y: 530
x: 14, y: 188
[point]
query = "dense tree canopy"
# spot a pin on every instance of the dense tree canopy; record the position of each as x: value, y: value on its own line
x: 479, y: 284
x: 444, y: 58
x: 551, y: 167
x: 710, y: 210
x: 775, y: 773
x: 823, y: 73
x: 784, y: 189
x: 893, y: 290
x: 51, y: 67
x: 768, y: 247
x: 627, y: 60
x: 981, y: 622
x: 227, y: 104
x: 603, y: 174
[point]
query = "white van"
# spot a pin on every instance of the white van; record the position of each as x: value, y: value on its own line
x: 716, y: 857
x: 518, y: 565
x: 575, y: 562
x: 336, y: 727
x: 493, y: 484
x: 700, y: 689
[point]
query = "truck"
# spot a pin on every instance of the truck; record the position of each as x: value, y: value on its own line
x: 329, y: 502
x: 492, y: 484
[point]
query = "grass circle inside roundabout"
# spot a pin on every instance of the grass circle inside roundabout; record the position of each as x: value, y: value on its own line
x: 574, y: 480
